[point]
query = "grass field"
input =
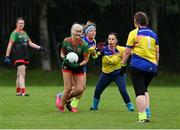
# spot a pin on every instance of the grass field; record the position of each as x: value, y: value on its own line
x: 38, y: 111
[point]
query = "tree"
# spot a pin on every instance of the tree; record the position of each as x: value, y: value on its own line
x: 44, y: 35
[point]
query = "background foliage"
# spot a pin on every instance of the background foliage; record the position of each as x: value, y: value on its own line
x: 109, y: 15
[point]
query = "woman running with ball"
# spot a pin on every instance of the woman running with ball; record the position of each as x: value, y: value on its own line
x: 89, y: 37
x: 73, y: 74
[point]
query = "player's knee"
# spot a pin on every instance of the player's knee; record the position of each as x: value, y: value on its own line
x: 80, y: 90
x: 22, y: 75
x: 67, y: 90
x: 139, y: 92
x: 68, y: 84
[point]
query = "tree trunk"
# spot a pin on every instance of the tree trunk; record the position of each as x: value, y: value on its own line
x: 44, y: 35
x: 154, y: 15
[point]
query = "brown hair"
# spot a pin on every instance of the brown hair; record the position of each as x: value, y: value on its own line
x: 141, y: 18
x: 115, y: 34
x: 20, y: 18
x: 88, y: 24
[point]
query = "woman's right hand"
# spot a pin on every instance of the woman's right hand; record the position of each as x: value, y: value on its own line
x: 65, y: 61
x: 7, y: 60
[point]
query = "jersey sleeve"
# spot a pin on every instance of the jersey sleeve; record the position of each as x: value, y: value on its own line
x: 64, y: 43
x: 13, y: 37
x: 85, y: 48
x: 131, y: 38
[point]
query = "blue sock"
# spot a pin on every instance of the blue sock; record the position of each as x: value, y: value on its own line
x: 148, y: 112
x: 95, y: 103
x: 130, y: 106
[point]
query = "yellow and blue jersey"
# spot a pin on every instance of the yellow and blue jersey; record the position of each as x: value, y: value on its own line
x: 91, y: 44
x: 143, y: 42
x: 111, y: 60
x: 91, y: 48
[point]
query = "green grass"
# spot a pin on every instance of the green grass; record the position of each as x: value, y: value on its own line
x: 39, y: 77
x: 38, y: 111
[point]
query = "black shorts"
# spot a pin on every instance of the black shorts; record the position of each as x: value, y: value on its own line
x: 21, y: 62
x: 75, y: 71
x: 140, y: 80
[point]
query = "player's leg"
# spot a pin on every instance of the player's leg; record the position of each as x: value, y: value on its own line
x: 67, y: 78
x: 148, y: 111
x: 78, y: 89
x: 121, y: 83
x: 138, y: 78
x: 68, y: 103
x: 18, y: 89
x: 103, y: 81
x: 75, y: 100
x: 21, y: 73
x: 78, y: 85
x: 149, y: 77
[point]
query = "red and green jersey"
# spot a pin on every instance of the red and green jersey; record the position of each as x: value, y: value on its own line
x: 20, y: 41
x: 80, y: 47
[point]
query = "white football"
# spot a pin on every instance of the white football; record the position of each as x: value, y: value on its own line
x: 72, y: 57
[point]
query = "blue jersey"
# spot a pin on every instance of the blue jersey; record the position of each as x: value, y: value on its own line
x: 90, y: 43
x: 143, y: 42
x: 91, y: 47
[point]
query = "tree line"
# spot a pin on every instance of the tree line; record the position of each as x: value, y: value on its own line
x: 48, y: 22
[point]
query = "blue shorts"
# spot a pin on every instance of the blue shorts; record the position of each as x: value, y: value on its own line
x: 85, y: 68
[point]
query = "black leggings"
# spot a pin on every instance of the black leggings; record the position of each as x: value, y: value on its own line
x: 140, y: 80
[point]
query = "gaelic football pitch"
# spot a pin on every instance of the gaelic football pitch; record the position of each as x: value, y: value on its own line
x: 39, y: 112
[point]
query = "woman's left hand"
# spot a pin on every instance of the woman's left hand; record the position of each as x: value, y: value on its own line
x: 73, y: 65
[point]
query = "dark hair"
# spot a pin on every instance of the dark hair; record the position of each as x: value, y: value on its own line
x: 141, y: 18
x: 20, y: 18
x: 115, y: 34
x: 89, y: 23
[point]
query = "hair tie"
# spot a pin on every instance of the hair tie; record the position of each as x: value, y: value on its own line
x: 89, y: 28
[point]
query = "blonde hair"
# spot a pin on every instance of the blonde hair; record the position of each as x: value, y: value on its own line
x: 76, y: 26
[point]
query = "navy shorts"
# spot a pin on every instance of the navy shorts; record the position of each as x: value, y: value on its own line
x: 141, y: 80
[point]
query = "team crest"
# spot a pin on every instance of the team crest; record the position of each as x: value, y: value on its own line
x: 25, y: 42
